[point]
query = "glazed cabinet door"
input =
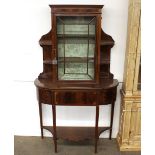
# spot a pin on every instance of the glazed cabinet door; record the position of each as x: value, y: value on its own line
x: 76, y: 48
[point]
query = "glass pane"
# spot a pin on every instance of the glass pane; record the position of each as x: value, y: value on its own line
x: 76, y: 37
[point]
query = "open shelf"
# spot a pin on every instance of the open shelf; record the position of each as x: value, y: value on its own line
x: 76, y: 133
x: 71, y: 60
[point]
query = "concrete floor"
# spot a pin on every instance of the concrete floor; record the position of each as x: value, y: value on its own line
x: 37, y: 146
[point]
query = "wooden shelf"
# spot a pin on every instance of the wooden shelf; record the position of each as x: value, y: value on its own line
x: 76, y: 59
x: 76, y: 35
x: 106, y: 40
x: 71, y: 60
x: 76, y: 133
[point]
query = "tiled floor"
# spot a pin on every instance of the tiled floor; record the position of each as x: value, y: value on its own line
x: 38, y: 146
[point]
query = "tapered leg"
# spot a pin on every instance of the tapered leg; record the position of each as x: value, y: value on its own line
x: 54, y: 127
x: 96, y: 127
x: 41, y: 121
x: 111, y: 119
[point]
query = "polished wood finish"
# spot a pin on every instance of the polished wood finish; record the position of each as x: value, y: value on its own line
x: 100, y: 91
x: 76, y: 9
x: 54, y: 127
x: 76, y: 134
x: 41, y: 121
x: 96, y: 127
x: 111, y: 120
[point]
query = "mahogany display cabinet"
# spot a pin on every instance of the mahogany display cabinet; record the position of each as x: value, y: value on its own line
x: 76, y: 68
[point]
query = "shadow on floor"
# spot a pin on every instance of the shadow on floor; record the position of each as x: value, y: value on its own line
x: 37, y: 146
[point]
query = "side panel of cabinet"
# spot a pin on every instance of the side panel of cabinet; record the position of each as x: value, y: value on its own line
x: 54, y: 47
x: 98, y: 40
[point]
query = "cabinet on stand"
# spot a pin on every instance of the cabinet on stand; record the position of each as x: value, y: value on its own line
x: 76, y: 68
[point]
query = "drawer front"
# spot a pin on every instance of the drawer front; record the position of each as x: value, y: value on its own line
x: 75, y: 98
x: 107, y: 96
x: 44, y: 96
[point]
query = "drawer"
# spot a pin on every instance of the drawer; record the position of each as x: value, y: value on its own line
x: 75, y: 98
x: 107, y: 96
x: 45, y: 96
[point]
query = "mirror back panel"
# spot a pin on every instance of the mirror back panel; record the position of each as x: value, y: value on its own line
x: 76, y: 40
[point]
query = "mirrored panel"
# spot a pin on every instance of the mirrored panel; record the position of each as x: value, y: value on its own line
x: 76, y: 38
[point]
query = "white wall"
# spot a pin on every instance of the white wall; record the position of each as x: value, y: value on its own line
x: 26, y: 23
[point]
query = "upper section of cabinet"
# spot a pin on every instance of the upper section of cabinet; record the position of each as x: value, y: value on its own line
x: 76, y: 49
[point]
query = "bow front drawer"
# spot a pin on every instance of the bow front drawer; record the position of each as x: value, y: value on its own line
x: 107, y: 96
x: 75, y: 98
